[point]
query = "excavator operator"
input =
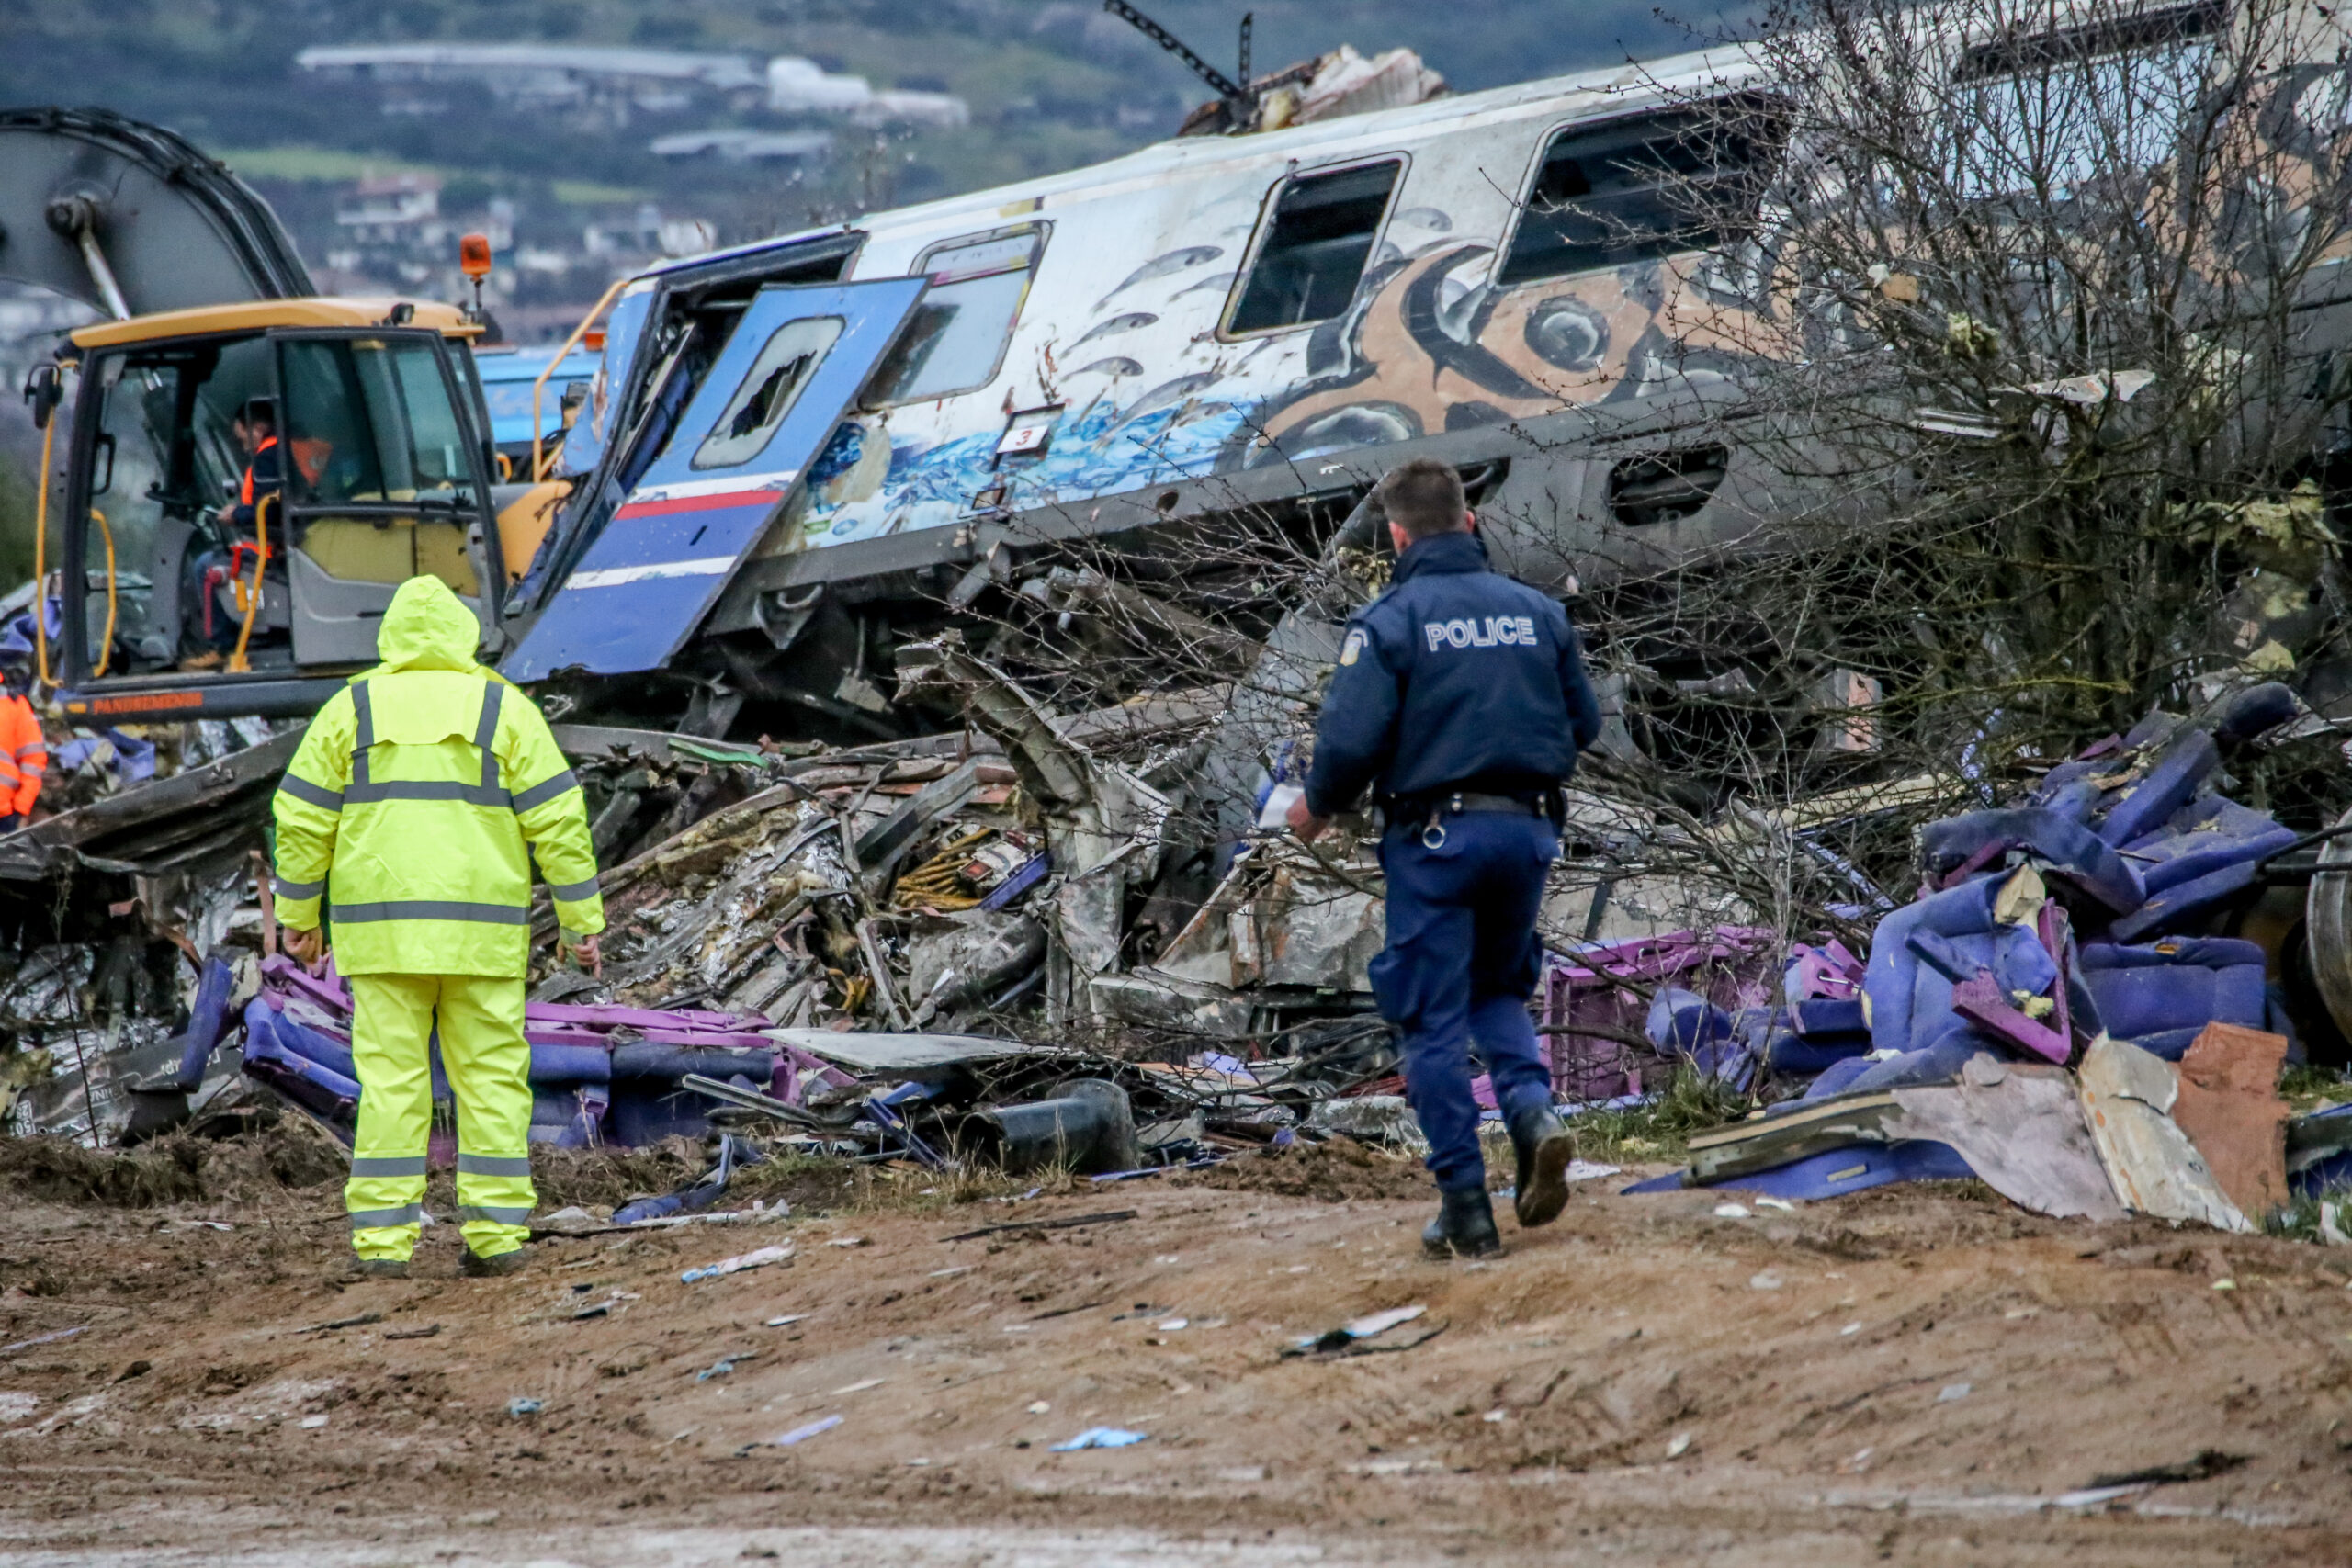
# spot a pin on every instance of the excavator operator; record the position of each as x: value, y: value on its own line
x: 256, y: 431
x: 211, y: 573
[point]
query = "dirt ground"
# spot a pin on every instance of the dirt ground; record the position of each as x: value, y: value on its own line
x: 1912, y: 1376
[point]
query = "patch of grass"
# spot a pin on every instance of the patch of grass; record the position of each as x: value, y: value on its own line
x: 322, y: 166
x: 2307, y: 1087
x: 588, y: 193
x: 1661, y: 1129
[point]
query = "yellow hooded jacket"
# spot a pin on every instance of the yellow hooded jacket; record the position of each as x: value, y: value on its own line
x: 412, y: 798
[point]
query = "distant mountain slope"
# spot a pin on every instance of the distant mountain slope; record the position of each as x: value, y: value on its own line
x: 1051, y: 82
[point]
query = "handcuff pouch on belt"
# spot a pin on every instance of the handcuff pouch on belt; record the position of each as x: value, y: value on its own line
x: 1547, y: 805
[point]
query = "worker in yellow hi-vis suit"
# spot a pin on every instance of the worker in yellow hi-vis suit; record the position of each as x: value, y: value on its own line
x: 416, y: 800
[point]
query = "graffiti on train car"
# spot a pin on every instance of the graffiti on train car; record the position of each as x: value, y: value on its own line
x: 1429, y: 345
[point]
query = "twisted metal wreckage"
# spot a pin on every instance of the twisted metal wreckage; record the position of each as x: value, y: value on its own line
x: 1063, y: 939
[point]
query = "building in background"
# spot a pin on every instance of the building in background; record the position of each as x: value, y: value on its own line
x: 801, y: 87
x: 601, y: 84
x: 745, y: 146
x: 613, y: 85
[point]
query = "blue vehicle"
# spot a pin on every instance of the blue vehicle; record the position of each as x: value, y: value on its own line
x: 508, y: 377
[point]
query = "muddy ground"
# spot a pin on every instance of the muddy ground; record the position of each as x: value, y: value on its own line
x: 1916, y: 1375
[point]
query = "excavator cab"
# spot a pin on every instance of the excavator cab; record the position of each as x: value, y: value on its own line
x: 364, y: 425
x: 178, y: 594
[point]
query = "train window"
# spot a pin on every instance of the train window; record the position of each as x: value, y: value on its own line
x: 769, y: 389
x: 1317, y: 241
x: 955, y: 339
x: 1630, y: 190
x: 2051, y: 110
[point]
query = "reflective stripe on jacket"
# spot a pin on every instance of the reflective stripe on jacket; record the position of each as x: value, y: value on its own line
x: 24, y: 755
x: 418, y: 798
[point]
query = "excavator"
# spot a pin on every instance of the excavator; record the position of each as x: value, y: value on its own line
x: 171, y: 604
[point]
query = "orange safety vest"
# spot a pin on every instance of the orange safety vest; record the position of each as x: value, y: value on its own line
x: 246, y: 492
x: 24, y: 755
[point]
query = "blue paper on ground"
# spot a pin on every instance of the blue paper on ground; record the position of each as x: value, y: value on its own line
x: 1101, y: 1438
x: 1850, y: 1170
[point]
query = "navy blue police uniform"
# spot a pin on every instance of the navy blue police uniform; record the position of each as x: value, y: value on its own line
x: 1461, y: 698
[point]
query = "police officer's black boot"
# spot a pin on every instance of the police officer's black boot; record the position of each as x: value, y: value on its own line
x: 1464, y: 1225
x: 1545, y: 1149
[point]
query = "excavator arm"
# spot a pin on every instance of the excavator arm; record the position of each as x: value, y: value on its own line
x: 131, y: 218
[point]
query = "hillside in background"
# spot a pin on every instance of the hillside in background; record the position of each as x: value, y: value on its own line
x: 1049, y: 84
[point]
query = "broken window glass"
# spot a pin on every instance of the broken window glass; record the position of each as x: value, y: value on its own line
x: 957, y: 337
x: 1633, y: 190
x: 768, y: 391
x: 1317, y: 244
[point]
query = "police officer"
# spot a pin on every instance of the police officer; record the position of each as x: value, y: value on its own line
x: 1461, y: 698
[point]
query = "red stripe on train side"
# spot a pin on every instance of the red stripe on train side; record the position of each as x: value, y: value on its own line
x: 701, y: 502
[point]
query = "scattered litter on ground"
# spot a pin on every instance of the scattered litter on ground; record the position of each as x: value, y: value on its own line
x: 802, y: 1434
x: 1353, y: 1333
x: 2206, y: 1464
x: 736, y: 1264
x: 721, y: 1367
x: 1101, y: 1438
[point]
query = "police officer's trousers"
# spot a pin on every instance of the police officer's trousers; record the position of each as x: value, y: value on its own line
x: 1462, y: 961
x: 489, y: 1066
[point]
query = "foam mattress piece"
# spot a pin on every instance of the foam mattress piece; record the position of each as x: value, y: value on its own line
x: 2161, y: 987
x: 2169, y: 784
x: 2083, y: 856
x: 2229, y: 1106
x: 1910, y: 996
x: 1838, y: 1172
x: 1795, y: 1053
x: 1939, y: 1063
x: 2202, y: 838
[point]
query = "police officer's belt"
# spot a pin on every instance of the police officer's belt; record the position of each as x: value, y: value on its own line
x: 1455, y: 802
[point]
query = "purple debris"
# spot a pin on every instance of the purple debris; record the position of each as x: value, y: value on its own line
x: 1981, y: 1002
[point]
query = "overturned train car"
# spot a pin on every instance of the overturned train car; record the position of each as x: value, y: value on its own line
x: 798, y: 454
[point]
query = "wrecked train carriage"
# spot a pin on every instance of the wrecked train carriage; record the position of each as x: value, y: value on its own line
x: 816, y: 448
x: 813, y: 450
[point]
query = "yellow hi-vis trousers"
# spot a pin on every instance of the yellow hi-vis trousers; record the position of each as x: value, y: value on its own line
x: 489, y: 1066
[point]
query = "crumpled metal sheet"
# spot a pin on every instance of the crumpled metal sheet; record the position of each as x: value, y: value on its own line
x: 2019, y: 1126
x: 2128, y: 1095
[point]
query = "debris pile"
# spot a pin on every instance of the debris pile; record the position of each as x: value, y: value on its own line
x: 2053, y: 1013
x: 1080, y: 941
